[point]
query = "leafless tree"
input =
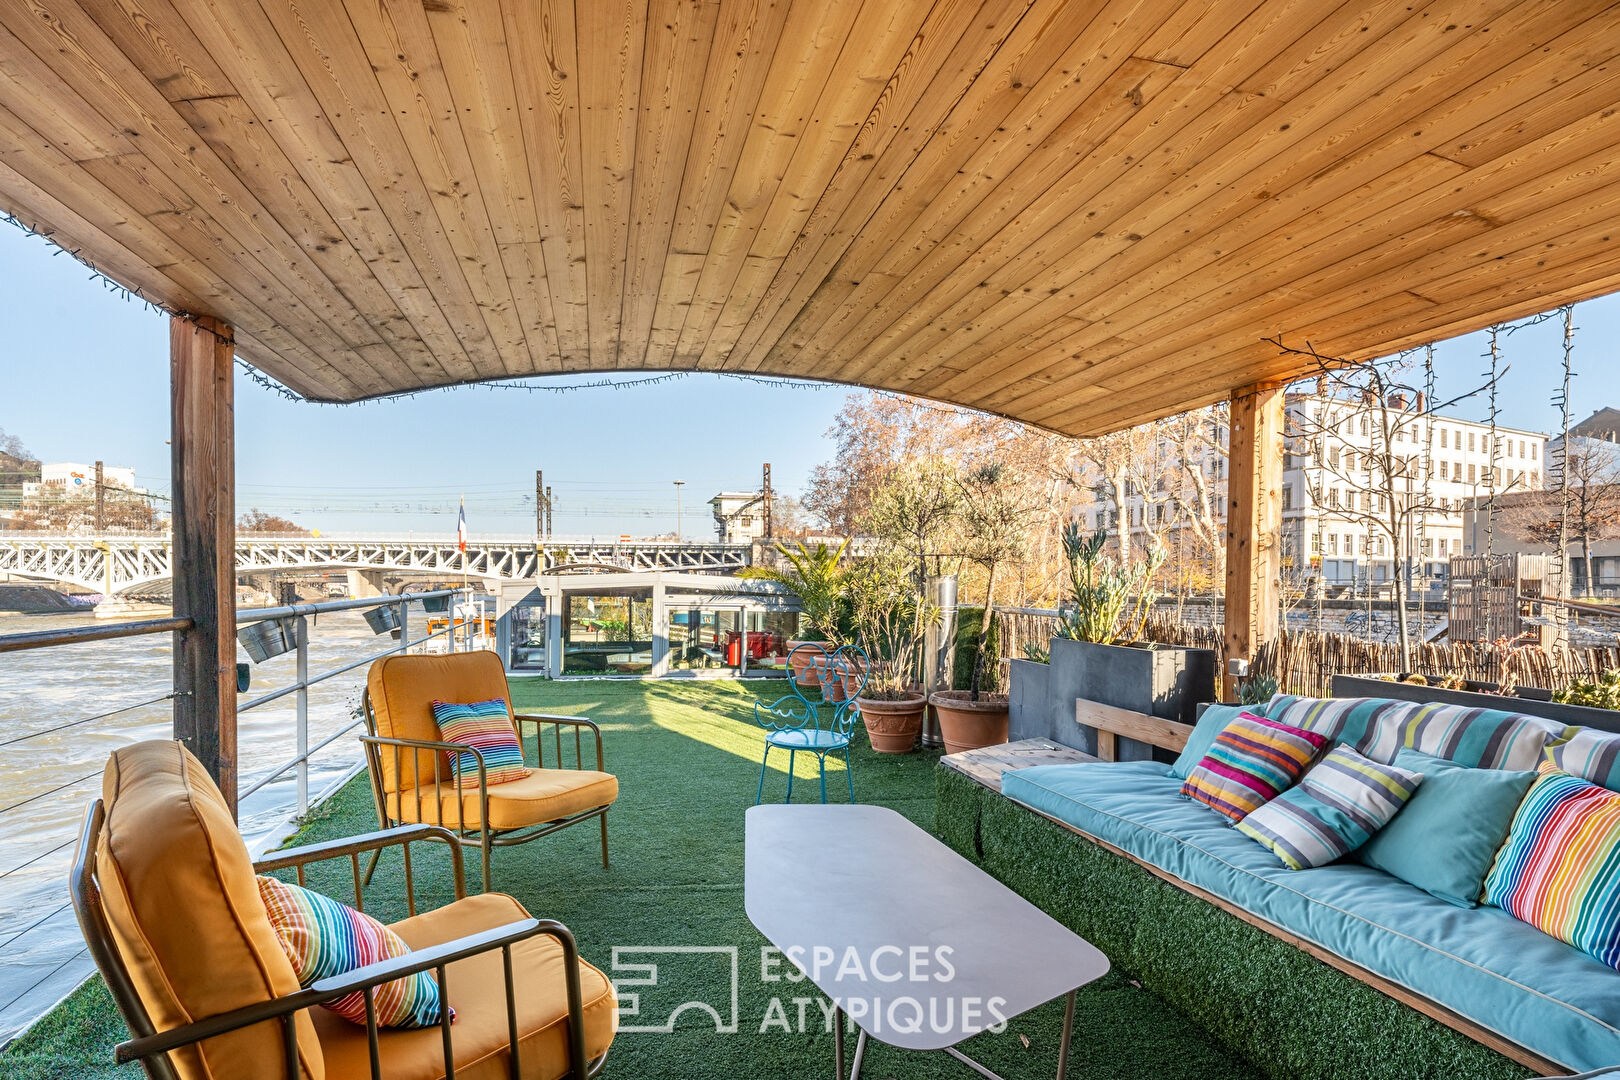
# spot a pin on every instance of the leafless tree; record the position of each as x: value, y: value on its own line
x: 1593, y: 471
x: 1381, y: 485
x: 259, y: 522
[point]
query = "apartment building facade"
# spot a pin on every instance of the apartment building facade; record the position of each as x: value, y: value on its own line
x: 1331, y: 486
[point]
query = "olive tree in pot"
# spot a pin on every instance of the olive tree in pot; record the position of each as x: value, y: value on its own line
x: 817, y: 577
x: 994, y: 529
x: 891, y: 620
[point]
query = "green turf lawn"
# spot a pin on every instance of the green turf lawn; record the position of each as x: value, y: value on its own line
x: 687, y: 757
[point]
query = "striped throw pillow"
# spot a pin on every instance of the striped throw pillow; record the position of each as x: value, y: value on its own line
x: 1336, y: 808
x: 1560, y: 868
x: 323, y: 938
x: 1251, y: 762
x: 486, y: 726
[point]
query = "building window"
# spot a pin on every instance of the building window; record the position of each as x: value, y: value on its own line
x: 1442, y: 438
x: 1288, y: 496
x: 1471, y: 473
x: 1470, y: 440
x: 1333, y: 543
x: 1535, y: 448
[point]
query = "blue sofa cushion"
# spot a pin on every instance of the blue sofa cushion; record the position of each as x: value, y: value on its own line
x: 1445, y: 838
x: 1481, y: 963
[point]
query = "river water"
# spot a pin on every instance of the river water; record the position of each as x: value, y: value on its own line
x: 49, y: 773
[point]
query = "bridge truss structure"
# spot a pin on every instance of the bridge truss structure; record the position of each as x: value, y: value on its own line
x: 125, y: 565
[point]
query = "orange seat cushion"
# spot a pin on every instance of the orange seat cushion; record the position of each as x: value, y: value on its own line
x: 477, y: 988
x: 402, y: 690
x: 180, y: 896
x: 542, y: 795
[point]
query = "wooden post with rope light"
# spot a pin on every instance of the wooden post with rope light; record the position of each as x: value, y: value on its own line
x: 202, y: 356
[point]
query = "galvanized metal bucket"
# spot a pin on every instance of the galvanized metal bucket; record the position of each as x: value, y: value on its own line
x: 382, y: 619
x: 262, y: 640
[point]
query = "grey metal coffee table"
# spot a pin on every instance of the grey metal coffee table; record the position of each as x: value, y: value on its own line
x: 910, y: 939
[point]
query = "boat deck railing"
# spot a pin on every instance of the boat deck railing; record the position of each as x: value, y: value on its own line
x: 296, y: 618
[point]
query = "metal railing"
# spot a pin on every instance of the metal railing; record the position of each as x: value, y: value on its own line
x: 298, y: 616
x: 464, y: 622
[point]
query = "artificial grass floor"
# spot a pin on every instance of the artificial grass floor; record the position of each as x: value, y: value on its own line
x: 687, y: 758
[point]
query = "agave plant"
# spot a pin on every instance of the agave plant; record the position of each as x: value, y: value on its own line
x: 1111, y: 602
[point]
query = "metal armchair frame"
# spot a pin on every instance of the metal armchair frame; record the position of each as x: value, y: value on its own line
x: 479, y: 833
x: 151, y: 1047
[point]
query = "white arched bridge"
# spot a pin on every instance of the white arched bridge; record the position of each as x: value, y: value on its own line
x: 124, y: 565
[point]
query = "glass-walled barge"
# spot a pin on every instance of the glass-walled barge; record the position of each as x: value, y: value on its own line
x: 646, y: 623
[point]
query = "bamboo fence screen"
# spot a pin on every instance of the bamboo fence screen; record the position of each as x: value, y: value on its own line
x: 1305, y: 661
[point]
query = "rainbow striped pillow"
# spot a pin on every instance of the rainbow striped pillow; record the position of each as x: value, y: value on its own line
x: 487, y: 726
x: 323, y: 938
x: 1560, y: 868
x: 1250, y: 763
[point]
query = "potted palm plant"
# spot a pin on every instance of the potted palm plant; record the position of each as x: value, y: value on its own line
x: 994, y: 519
x: 816, y: 576
x: 891, y: 620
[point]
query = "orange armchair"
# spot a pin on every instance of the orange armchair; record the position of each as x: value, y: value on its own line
x: 411, y: 777
x: 164, y: 890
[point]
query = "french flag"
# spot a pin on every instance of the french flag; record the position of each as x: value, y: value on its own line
x: 461, y: 526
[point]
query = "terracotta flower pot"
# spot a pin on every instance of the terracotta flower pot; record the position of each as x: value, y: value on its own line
x: 966, y: 724
x: 803, y: 661
x: 893, y: 726
x: 832, y: 689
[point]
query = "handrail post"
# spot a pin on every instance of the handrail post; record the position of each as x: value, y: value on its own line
x: 301, y: 633
x: 451, y: 607
x: 404, y: 627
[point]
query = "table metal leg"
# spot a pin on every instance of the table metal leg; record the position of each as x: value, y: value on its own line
x: 990, y: 1074
x: 860, y: 1053
x: 1068, y: 1037
x: 838, y: 1042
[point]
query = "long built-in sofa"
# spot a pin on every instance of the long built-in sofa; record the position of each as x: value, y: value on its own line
x: 1339, y: 971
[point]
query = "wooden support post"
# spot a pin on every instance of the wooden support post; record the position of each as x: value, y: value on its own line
x: 203, y: 490
x: 1253, y: 523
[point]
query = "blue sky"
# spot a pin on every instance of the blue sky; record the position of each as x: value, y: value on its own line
x: 84, y: 375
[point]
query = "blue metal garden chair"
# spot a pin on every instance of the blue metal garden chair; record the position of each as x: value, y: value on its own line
x: 795, y: 723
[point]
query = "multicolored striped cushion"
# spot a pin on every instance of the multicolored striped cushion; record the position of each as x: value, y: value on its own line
x: 1480, y: 738
x: 1374, y: 727
x: 323, y: 938
x: 487, y: 726
x: 1378, y: 728
x: 1560, y: 868
x: 1589, y: 754
x: 1336, y: 808
x: 1251, y: 761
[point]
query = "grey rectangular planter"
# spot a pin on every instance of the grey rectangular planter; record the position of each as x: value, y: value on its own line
x: 1582, y: 715
x: 1166, y: 682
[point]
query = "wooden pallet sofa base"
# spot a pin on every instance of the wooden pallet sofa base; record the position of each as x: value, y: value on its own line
x: 1290, y: 1008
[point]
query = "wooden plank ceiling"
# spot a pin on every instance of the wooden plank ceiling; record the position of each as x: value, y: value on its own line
x: 1079, y: 214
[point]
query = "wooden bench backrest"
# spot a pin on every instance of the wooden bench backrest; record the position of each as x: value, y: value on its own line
x: 1112, y: 722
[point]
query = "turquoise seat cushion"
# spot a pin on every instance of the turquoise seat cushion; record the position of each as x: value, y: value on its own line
x: 1444, y: 839
x: 1479, y: 962
x: 1215, y: 718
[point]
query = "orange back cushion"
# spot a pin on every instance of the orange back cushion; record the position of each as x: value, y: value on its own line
x: 403, y: 690
x: 180, y: 896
